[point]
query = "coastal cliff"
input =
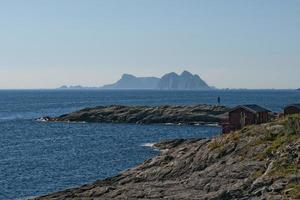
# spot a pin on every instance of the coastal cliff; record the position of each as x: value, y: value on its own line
x: 195, y: 114
x: 257, y: 162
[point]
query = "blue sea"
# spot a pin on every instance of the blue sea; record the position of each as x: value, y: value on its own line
x: 37, y: 157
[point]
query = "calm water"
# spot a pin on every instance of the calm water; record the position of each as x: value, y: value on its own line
x: 37, y: 158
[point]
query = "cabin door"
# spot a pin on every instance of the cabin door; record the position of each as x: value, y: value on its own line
x: 243, y: 119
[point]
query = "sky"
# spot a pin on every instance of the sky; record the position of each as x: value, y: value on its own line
x: 229, y: 43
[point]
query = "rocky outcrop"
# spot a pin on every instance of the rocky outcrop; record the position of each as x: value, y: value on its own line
x: 146, y: 114
x: 258, y: 162
x: 184, y: 81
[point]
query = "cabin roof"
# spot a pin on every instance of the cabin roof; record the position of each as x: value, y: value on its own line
x: 297, y: 105
x: 252, y: 108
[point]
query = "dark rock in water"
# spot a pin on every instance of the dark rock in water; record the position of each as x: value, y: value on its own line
x: 258, y: 162
x: 147, y: 114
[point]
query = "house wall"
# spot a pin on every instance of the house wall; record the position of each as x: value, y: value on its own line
x: 263, y: 117
x: 290, y: 110
x: 235, y: 118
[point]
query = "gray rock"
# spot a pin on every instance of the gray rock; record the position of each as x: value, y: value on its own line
x: 226, y: 167
x: 196, y: 114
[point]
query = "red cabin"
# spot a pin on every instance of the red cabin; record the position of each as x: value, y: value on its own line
x: 244, y: 115
x: 292, y: 109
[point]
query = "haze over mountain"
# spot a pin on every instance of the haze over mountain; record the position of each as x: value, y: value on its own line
x: 170, y: 81
x: 65, y: 87
x: 184, y: 81
x: 129, y: 81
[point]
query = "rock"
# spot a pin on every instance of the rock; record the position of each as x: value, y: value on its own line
x: 226, y: 167
x: 146, y: 115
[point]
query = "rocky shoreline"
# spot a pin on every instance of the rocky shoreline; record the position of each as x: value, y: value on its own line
x: 196, y: 114
x: 257, y: 162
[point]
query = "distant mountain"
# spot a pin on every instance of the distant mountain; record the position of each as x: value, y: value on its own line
x: 129, y: 81
x: 184, y: 81
x: 64, y: 87
x: 170, y: 81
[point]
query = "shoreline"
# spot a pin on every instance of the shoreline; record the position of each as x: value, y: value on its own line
x: 196, y: 124
x: 237, y: 165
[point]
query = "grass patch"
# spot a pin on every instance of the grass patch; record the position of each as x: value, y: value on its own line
x: 280, y: 137
x: 257, y: 173
x: 215, y: 144
x: 221, y: 142
x: 292, y: 191
x: 292, y: 124
x: 276, y: 144
x: 283, y: 169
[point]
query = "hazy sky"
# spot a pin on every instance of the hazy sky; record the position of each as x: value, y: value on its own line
x: 229, y: 43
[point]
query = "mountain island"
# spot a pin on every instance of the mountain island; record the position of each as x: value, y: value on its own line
x: 170, y: 81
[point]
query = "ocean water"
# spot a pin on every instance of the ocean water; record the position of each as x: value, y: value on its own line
x: 37, y: 158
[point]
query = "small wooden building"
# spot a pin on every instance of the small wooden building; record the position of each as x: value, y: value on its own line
x: 244, y: 115
x: 292, y: 109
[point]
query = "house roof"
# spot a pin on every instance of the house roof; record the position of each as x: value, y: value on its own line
x: 252, y: 108
x: 297, y: 105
